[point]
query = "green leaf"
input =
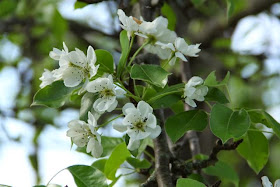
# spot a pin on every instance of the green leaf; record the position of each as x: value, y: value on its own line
x: 214, y: 94
x: 226, y: 124
x: 197, y: 2
x: 254, y: 149
x: 152, y: 74
x: 177, y: 125
x: 100, y: 164
x: 178, y: 107
x: 189, y: 182
x: 168, y: 12
x: 53, y: 95
x: 230, y: 8
x: 260, y: 116
x: 211, y: 80
x: 87, y: 176
x: 124, y: 40
x: 7, y: 7
x: 139, y: 164
x: 86, y: 105
x: 174, y: 89
x: 223, y: 171
x: 166, y: 101
x: 58, y: 26
x: 106, y: 61
x: 80, y: 4
x: 118, y: 156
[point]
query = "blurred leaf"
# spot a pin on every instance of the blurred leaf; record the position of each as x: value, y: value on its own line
x: 139, y: 164
x: 118, y: 156
x: 100, y: 164
x: 168, y: 12
x: 182, y: 182
x: 152, y: 74
x: 124, y: 40
x: 86, y: 104
x: 230, y: 8
x: 176, y: 126
x: 79, y: 4
x: 87, y: 176
x: 211, y: 80
x: 59, y: 26
x: 226, y: 124
x: 222, y: 171
x: 178, y: 107
x: 7, y: 7
x: 149, y: 93
x: 254, y: 149
x: 106, y: 61
x: 53, y: 95
x: 214, y: 94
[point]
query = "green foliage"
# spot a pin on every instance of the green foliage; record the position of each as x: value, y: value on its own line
x: 152, y: 74
x: 189, y: 182
x: 106, y: 61
x: 230, y: 8
x: 260, y: 116
x: 176, y: 126
x: 54, y: 95
x: 222, y: 171
x: 226, y: 124
x: 168, y: 12
x: 79, y: 4
x: 214, y: 94
x: 124, y: 40
x: 254, y: 149
x: 118, y: 156
x: 100, y: 164
x: 211, y: 80
x: 139, y: 164
x: 87, y: 176
x: 7, y: 7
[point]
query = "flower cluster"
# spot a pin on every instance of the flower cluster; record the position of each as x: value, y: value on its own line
x: 194, y: 90
x: 267, y: 183
x: 74, y: 67
x: 161, y: 40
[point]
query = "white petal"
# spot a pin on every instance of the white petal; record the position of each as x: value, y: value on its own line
x: 144, y: 109
x: 266, y: 182
x: 91, y: 57
x: 127, y: 106
x: 119, y: 126
x: 55, y: 54
x: 192, y: 50
x: 47, y: 78
x: 189, y: 91
x: 155, y: 132
x: 77, y: 59
x: 93, y: 70
x: 277, y: 183
x: 112, y: 106
x: 181, y: 44
x: 151, y: 121
x: 141, y: 135
x: 72, y: 77
x: 132, y: 118
x: 194, y: 81
x: 80, y: 141
x: 97, y: 85
x: 95, y: 148
x: 120, y: 92
x: 91, y: 120
x: 181, y: 56
x: 99, y: 105
x: 190, y: 102
x: 133, y: 144
x: 172, y: 61
x: 65, y: 48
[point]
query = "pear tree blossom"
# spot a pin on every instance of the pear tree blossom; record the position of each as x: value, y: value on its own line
x: 194, y: 90
x: 107, y: 94
x: 83, y: 133
x: 139, y: 123
x: 47, y: 78
x: 267, y: 183
x: 128, y: 23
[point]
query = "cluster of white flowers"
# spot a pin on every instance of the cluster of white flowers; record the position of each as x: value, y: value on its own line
x: 194, y: 90
x: 162, y: 41
x: 139, y: 123
x: 74, y: 67
x: 267, y: 183
x: 83, y: 133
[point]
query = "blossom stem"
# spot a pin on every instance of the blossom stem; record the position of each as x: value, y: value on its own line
x: 210, y: 106
x: 228, y: 94
x: 162, y: 95
x: 128, y: 92
x: 149, y: 155
x: 107, y: 122
x: 55, y: 175
x: 138, y: 51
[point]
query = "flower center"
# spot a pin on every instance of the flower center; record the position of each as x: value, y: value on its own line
x: 107, y: 93
x: 140, y: 125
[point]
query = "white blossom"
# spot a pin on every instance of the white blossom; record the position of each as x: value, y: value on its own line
x: 267, y: 183
x: 139, y: 123
x: 56, y: 54
x: 76, y: 66
x: 83, y: 133
x: 128, y: 23
x: 194, y: 90
x: 47, y: 78
x: 179, y: 49
x: 107, y: 98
